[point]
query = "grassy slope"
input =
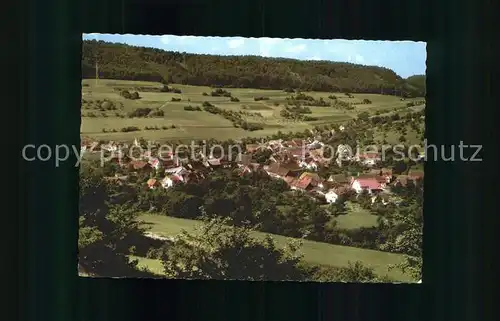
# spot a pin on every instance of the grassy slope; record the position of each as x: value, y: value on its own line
x: 203, y: 125
x: 314, y: 252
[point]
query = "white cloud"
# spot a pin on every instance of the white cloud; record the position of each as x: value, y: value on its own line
x: 235, y: 43
x: 264, y: 52
x: 297, y: 48
x: 165, y: 40
x: 314, y: 58
x: 170, y: 39
x: 359, y: 58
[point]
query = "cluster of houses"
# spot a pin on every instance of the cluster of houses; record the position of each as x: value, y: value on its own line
x: 296, y: 162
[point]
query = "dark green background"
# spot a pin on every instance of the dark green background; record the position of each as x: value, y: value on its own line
x: 457, y: 202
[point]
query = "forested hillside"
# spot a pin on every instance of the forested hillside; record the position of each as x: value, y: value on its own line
x: 119, y: 61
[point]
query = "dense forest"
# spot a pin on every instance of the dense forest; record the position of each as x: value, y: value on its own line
x: 120, y: 61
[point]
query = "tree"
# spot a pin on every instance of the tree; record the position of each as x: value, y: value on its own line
x: 217, y: 251
x: 107, y: 230
x: 409, y: 241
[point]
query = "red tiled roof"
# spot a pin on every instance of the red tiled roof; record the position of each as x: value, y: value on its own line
x: 252, y: 147
x: 152, y: 182
x: 302, y: 183
x: 176, y: 178
x: 370, y: 183
x: 138, y: 164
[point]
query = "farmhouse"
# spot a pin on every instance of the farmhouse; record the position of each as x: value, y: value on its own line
x: 370, y: 184
x: 277, y: 170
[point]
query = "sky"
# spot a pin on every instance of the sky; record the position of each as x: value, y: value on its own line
x: 406, y: 58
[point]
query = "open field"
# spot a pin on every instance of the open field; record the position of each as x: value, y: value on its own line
x: 203, y: 125
x: 356, y: 217
x: 314, y: 252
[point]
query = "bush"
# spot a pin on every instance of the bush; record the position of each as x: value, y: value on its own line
x: 167, y: 89
x: 260, y: 98
x: 139, y: 112
x: 332, y: 97
x: 207, y: 104
x: 176, y: 99
x: 156, y: 113
x: 219, y: 92
x: 234, y: 99
x: 205, y: 94
x: 130, y: 129
x: 367, y: 101
x: 127, y: 95
x: 289, y: 90
x: 192, y: 108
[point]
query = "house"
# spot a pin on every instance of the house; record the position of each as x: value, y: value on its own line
x: 252, y: 148
x: 212, y: 163
x: 280, y: 170
x: 304, y: 184
x: 140, y: 166
x: 300, y: 153
x: 289, y: 144
x: 179, y: 170
x: 316, y: 180
x: 152, y: 183
x: 170, y: 181
x: 340, y: 179
x: 277, y: 170
x: 314, y: 145
x: 170, y: 162
x: 155, y: 163
x: 316, y: 155
x: 369, y: 158
x: 309, y: 164
x: 370, y: 184
x: 298, y: 142
x: 386, y: 174
x: 331, y: 196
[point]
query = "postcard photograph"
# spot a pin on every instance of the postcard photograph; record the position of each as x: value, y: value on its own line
x: 259, y: 159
